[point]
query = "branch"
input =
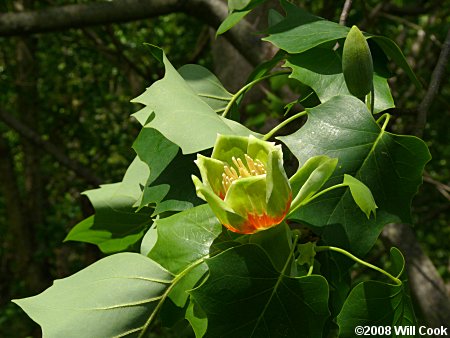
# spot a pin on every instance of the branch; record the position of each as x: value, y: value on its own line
x: 50, y: 148
x: 345, y: 11
x: 433, y: 89
x: 83, y: 15
x: 51, y: 19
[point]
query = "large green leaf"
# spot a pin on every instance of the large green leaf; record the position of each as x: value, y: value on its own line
x: 301, y: 31
x: 114, y: 297
x: 184, y: 118
x: 321, y: 69
x: 390, y: 165
x: 184, y: 239
x: 378, y: 304
x: 115, y: 226
x: 244, y: 296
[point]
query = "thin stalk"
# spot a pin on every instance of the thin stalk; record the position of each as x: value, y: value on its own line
x: 360, y: 261
x: 282, y: 124
x: 297, y: 204
x: 247, y: 86
x: 386, y: 117
x: 310, y: 271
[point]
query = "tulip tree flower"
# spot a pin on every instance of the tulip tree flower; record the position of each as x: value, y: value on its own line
x: 244, y: 183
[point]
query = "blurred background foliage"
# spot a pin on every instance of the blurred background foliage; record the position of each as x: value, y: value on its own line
x: 73, y: 89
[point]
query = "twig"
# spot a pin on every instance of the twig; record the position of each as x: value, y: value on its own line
x: 441, y: 187
x: 50, y: 148
x: 433, y: 88
x: 345, y: 11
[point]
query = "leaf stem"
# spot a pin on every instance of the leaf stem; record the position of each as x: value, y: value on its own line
x: 169, y: 289
x: 360, y: 261
x: 244, y: 89
x: 386, y: 118
x: 296, y: 203
x: 282, y: 124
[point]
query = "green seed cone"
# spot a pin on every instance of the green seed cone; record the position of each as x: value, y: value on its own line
x: 357, y: 64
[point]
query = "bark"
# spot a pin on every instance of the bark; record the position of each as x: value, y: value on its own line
x: 59, y: 18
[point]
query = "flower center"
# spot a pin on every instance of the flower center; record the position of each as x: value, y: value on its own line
x: 230, y: 174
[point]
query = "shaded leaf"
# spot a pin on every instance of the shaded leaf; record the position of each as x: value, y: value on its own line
x: 197, y: 318
x: 231, y: 20
x: 116, y: 225
x: 206, y: 85
x: 300, y: 30
x: 113, y: 297
x: 391, y: 49
x: 321, y: 69
x: 389, y: 165
x: 244, y: 296
x: 376, y: 303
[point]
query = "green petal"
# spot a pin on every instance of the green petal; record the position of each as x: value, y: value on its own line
x: 316, y: 179
x: 211, y: 171
x: 222, y: 211
x: 278, y: 191
x: 228, y: 146
x: 258, y: 149
x: 303, y: 173
x: 247, y: 195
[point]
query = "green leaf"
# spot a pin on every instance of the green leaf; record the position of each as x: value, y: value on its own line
x: 171, y: 205
x: 184, y: 119
x: 389, y: 165
x: 300, y: 30
x: 178, y: 176
x: 231, y: 20
x: 156, y: 152
x: 206, y: 85
x: 197, y: 318
x: 380, y: 304
x: 116, y: 225
x: 244, y: 296
x: 149, y: 241
x: 391, y: 49
x: 320, y: 68
x: 307, y: 253
x: 113, y: 297
x: 184, y: 239
x: 361, y: 194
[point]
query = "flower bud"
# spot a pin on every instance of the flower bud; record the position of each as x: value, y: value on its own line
x: 357, y: 64
x: 244, y: 183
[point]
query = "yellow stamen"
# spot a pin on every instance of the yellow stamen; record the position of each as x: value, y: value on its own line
x: 230, y: 174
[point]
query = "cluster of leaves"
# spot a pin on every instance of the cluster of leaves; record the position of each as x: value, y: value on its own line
x: 275, y: 282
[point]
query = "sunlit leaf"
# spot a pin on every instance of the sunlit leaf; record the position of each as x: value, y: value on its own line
x: 389, y: 165
x: 184, y: 119
x: 116, y: 225
x: 113, y: 297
